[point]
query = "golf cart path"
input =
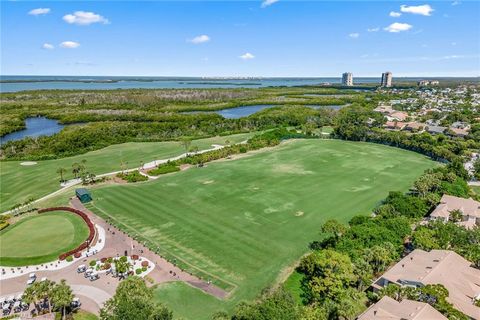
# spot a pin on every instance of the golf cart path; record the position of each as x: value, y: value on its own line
x: 146, y: 166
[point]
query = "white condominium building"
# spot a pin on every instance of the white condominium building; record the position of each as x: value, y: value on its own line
x: 386, y: 79
x: 347, y: 79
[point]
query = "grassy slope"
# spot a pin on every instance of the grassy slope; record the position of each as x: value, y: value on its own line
x: 244, y: 221
x: 19, y: 183
x: 41, y: 238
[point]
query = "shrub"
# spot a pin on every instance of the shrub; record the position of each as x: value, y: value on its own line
x: 132, y: 177
x: 107, y: 266
x: 69, y: 259
x: 138, y: 271
x: 77, y: 254
x: 144, y: 268
x: 93, y: 263
x: 123, y: 258
x: 103, y: 260
x: 164, y: 169
x: 145, y: 264
x: 134, y: 257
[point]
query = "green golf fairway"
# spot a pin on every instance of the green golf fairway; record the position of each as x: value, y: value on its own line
x: 41, y: 238
x: 240, y: 223
x: 19, y: 183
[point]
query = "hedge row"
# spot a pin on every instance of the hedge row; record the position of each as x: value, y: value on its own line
x: 85, y: 218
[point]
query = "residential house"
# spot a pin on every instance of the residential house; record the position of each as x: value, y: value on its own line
x: 469, y: 209
x: 414, y: 126
x: 435, y: 129
x: 397, y: 115
x: 384, y: 109
x: 461, y: 133
x: 444, y: 267
x: 390, y: 309
x: 394, y: 125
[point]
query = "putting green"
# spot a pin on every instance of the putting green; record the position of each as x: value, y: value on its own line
x: 41, y: 238
x: 242, y: 222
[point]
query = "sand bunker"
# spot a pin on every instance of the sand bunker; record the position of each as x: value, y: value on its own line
x: 28, y: 163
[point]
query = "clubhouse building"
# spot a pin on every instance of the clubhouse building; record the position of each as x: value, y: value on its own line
x: 444, y: 267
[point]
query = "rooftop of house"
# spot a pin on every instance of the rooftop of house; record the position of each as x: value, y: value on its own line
x: 436, y: 129
x: 390, y: 309
x: 441, y: 267
x: 449, y: 203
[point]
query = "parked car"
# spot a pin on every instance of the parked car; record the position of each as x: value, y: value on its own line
x: 81, y: 268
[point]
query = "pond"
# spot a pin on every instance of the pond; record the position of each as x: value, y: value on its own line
x: 245, y: 111
x: 35, y: 127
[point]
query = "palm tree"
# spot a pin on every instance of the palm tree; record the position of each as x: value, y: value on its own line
x: 61, y: 171
x: 75, y: 169
x: 186, y: 144
x: 83, y: 165
x: 62, y: 296
x: 44, y: 291
x: 123, y: 166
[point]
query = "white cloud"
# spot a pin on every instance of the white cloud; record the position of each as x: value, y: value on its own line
x: 424, y: 10
x: 200, y: 39
x: 247, y: 56
x: 453, y: 43
x: 373, y: 29
x: 354, y: 35
x: 84, y: 18
x: 398, y: 27
x: 69, y: 44
x: 456, y: 3
x: 267, y: 3
x: 394, y: 14
x: 39, y: 11
x: 48, y: 46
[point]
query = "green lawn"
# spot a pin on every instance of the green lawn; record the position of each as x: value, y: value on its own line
x: 41, y: 238
x: 19, y: 183
x: 476, y: 189
x: 241, y: 222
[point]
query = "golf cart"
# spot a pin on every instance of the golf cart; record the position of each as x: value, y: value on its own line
x: 81, y: 268
x: 94, y: 276
x: 75, y: 303
x: 88, y: 272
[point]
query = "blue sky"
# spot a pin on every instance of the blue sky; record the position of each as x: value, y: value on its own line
x: 247, y: 38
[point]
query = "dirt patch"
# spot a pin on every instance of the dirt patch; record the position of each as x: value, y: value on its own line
x: 118, y: 180
x: 291, y: 168
x: 208, y: 181
x: 28, y: 163
x: 185, y: 166
x: 299, y: 213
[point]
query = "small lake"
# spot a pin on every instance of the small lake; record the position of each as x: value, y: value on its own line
x: 35, y: 127
x: 245, y: 111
